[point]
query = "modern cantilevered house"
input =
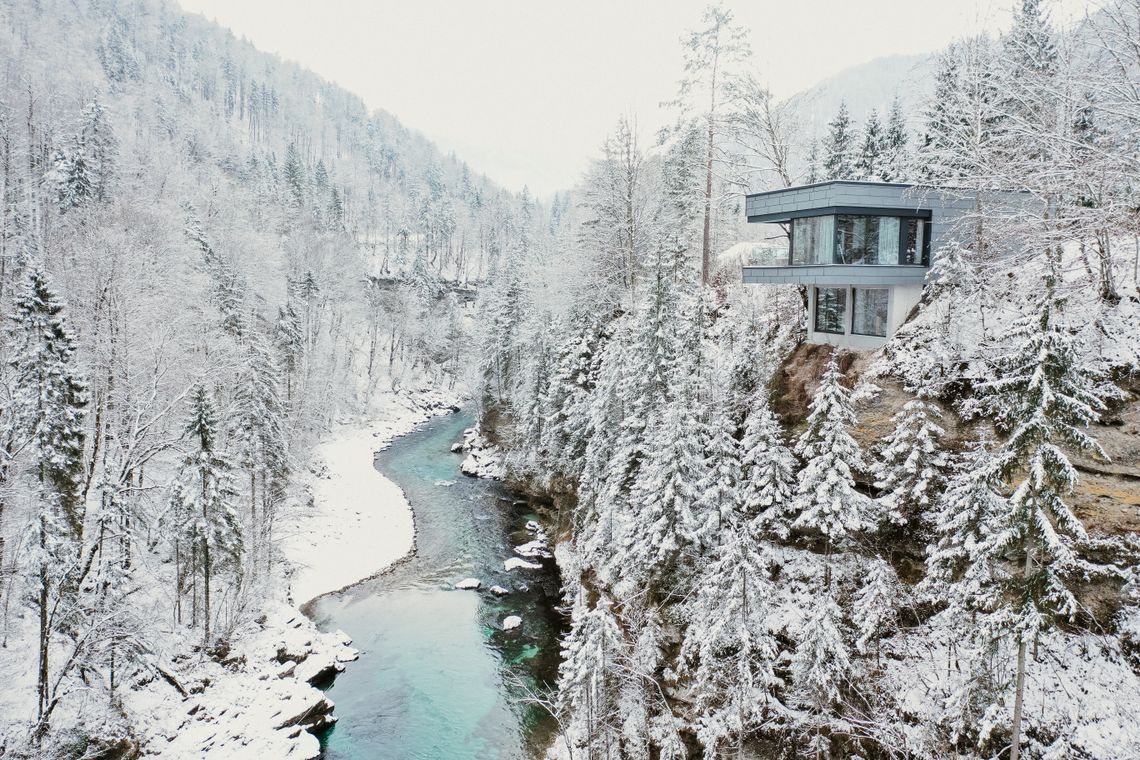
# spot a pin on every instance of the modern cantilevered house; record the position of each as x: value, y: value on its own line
x: 862, y: 250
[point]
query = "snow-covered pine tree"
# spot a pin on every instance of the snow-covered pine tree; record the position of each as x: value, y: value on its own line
x: 527, y: 458
x: 820, y: 667
x: 48, y: 400
x: 1043, y: 401
x: 295, y: 176
x: 768, y: 483
x: 96, y: 141
x: 595, y: 521
x: 876, y: 604
x: 839, y: 146
x: 960, y: 569
x: 727, y: 648
x: 869, y: 163
x: 590, y: 679
x: 228, y: 287
x: 814, y: 172
x: 911, y: 467
x: 895, y: 165
x: 208, y: 502
x: 573, y: 379
x: 69, y: 178
x: 667, y: 491
x: 84, y: 170
x: 963, y: 123
x: 289, y: 340
x: 258, y: 431
x: 719, y: 490
x: 825, y: 492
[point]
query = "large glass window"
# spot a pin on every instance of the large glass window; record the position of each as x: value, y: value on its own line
x: 830, y: 309
x: 859, y: 239
x: 915, y: 237
x: 866, y: 239
x: 869, y: 311
x: 812, y: 240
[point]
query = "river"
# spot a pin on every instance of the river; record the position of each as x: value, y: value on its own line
x: 438, y: 677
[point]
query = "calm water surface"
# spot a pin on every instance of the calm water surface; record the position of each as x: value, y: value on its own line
x: 438, y: 678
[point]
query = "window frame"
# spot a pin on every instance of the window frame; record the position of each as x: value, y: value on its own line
x: 886, y: 318
x: 842, y: 321
x: 904, y: 216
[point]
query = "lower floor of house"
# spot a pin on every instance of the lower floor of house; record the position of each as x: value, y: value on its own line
x: 858, y: 316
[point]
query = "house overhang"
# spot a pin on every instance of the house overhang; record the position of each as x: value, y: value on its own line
x: 828, y: 275
x: 788, y: 215
x: 836, y: 197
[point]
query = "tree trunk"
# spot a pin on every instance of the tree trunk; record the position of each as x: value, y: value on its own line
x: 1019, y: 696
x: 206, y: 590
x: 44, y: 638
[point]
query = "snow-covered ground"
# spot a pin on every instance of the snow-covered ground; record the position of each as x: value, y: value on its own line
x: 358, y: 522
x: 259, y: 701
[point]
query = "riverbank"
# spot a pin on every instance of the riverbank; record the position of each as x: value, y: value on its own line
x: 357, y: 522
x: 259, y: 699
x: 457, y: 635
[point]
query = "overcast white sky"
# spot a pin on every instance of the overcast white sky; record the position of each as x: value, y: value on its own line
x: 525, y: 90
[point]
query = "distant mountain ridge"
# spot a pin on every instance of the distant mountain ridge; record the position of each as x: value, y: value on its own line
x: 866, y: 87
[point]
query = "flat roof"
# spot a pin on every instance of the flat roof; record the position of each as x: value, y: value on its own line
x: 825, y: 183
x: 837, y: 197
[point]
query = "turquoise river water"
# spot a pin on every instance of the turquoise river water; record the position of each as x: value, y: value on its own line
x: 438, y: 678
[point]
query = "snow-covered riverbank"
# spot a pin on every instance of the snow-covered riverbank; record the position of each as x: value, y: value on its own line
x: 258, y: 700
x: 358, y: 522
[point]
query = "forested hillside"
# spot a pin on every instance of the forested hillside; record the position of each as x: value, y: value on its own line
x: 777, y: 550
x: 206, y: 256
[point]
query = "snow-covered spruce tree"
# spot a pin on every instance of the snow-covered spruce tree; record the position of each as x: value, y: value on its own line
x: 502, y: 315
x: 84, y: 170
x: 296, y: 177
x: 964, y: 126
x: 207, y: 508
x: 911, y: 467
x: 718, y: 497
x: 258, y: 430
x: 964, y: 574
x: 228, y: 290
x: 649, y: 368
x: 573, y: 379
x: 895, y: 165
x: 667, y: 490
x: 814, y: 172
x: 820, y: 667
x: 289, y: 340
x: 593, y: 519
x: 869, y: 163
x: 839, y: 146
x: 728, y: 651
x: 590, y: 679
x: 96, y: 140
x: 768, y: 482
x: 1043, y: 401
x: 527, y: 458
x: 876, y: 605
x: 960, y: 568
x: 826, y: 498
x: 48, y: 400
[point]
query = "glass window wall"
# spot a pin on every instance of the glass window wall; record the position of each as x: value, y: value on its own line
x: 812, y: 240
x: 830, y: 310
x: 856, y: 239
x: 869, y: 311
